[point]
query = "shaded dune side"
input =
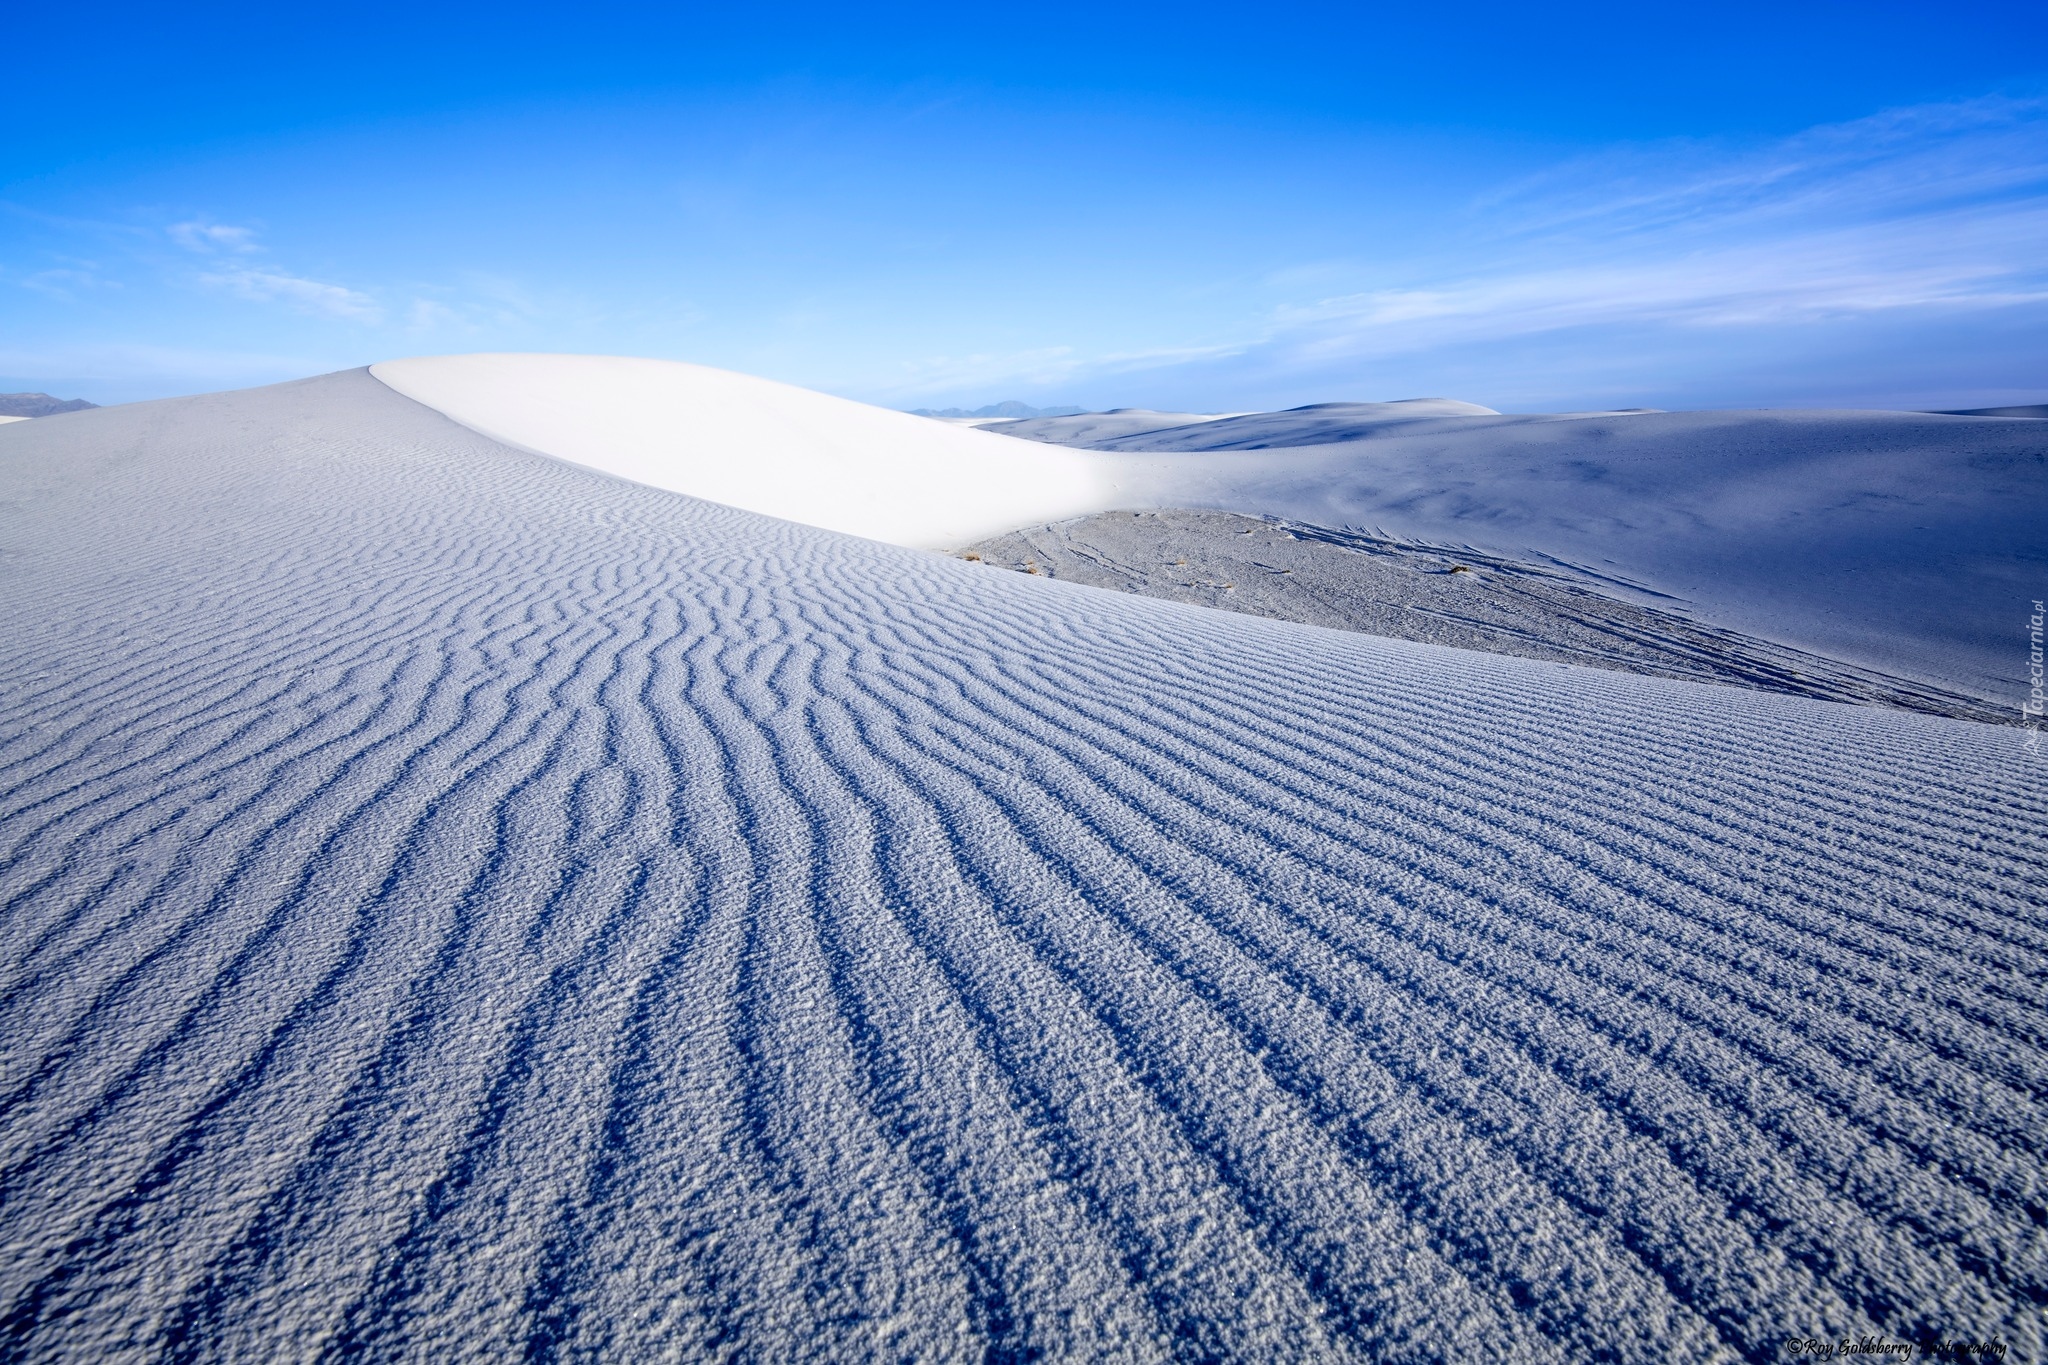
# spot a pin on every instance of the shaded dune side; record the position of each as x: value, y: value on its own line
x: 1909, y: 544
x: 1467, y: 599
x: 455, y: 904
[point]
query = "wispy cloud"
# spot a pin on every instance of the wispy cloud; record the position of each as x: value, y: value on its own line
x: 428, y: 315
x: 1927, y: 213
x: 1899, y: 161
x: 309, y: 296
x: 235, y: 260
x: 202, y: 236
x: 1952, y: 260
x: 260, y: 282
x: 68, y: 281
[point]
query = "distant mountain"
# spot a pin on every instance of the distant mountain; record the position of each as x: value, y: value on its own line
x: 1008, y: 409
x: 39, y: 405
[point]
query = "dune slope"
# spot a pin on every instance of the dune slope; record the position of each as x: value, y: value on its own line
x: 459, y: 905
x: 759, y: 445
x: 1316, y: 424
x: 1354, y: 580
x: 1909, y: 543
x: 1098, y: 429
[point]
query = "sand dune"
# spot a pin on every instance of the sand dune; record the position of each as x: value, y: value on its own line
x: 460, y: 905
x: 756, y: 444
x: 1098, y: 428
x: 2030, y: 410
x: 1317, y: 424
x: 1903, y: 542
x: 1354, y: 580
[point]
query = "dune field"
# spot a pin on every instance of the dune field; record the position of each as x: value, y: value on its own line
x: 526, y: 857
x: 1905, y: 542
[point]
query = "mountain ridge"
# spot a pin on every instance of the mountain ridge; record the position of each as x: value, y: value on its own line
x: 40, y: 405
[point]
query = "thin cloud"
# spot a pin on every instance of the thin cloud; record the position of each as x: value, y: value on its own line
x: 1940, y: 211
x: 308, y: 296
x: 208, y: 238
x: 67, y: 283
x: 1947, y: 261
x: 262, y: 282
x: 427, y: 315
x: 1900, y: 161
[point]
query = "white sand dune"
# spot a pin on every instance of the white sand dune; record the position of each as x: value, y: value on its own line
x: 1909, y: 543
x: 457, y: 905
x: 758, y: 445
x: 1091, y: 428
x: 1464, y: 598
x: 4, y: 418
x: 2035, y: 411
x: 1316, y: 424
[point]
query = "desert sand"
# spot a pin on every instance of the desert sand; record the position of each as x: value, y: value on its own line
x: 462, y: 904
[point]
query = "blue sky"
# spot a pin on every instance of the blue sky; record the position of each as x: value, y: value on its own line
x: 1538, y: 208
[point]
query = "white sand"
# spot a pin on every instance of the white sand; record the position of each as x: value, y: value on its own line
x: 455, y: 905
x: 1907, y: 543
x: 1903, y: 542
x: 758, y: 445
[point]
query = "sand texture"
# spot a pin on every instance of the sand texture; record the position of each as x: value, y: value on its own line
x: 456, y: 905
